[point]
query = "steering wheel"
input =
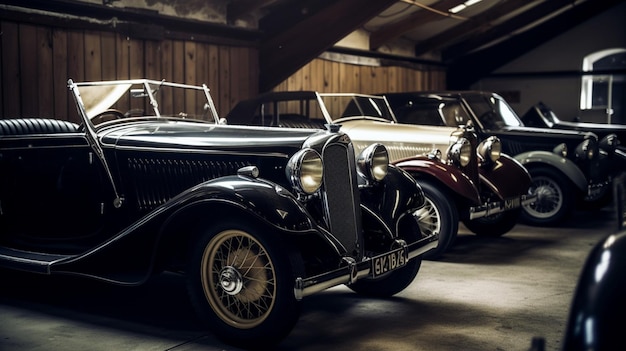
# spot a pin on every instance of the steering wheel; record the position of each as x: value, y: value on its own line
x: 108, y: 115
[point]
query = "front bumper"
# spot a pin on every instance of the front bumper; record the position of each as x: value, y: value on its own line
x: 354, y: 271
x: 491, y: 208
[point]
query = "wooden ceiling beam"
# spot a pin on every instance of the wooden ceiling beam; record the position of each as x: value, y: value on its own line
x: 470, y: 68
x: 503, y: 30
x: 284, y: 52
x: 412, y: 21
x: 472, y: 25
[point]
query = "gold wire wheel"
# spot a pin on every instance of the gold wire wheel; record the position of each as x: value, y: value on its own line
x: 238, y: 279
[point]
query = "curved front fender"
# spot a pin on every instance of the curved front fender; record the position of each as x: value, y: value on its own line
x: 449, y: 176
x: 134, y: 247
x: 567, y: 167
x: 395, y: 196
x: 506, y: 178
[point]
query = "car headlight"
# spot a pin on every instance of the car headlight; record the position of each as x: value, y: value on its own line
x: 609, y: 143
x: 489, y: 149
x: 588, y: 149
x: 560, y: 149
x: 373, y: 162
x: 460, y: 153
x: 305, y: 171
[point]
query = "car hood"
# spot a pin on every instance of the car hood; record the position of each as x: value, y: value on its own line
x: 182, y: 135
x: 543, y: 132
x: 402, y: 140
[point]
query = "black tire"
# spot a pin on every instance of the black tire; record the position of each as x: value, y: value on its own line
x: 438, y: 214
x: 241, y: 284
x: 393, y: 282
x: 555, y: 197
x: 494, y: 225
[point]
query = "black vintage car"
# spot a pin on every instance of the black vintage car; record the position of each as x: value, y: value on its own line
x: 255, y: 218
x: 567, y: 167
x: 542, y: 116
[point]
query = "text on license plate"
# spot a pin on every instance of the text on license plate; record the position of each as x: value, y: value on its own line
x: 512, y: 203
x: 389, y: 261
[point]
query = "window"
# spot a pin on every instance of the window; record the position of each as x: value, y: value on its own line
x: 604, y: 91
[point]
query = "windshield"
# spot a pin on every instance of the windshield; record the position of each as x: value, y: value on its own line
x: 433, y: 112
x: 110, y: 100
x: 348, y: 106
x: 492, y: 112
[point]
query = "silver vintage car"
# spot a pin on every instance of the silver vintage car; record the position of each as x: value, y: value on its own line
x: 462, y: 179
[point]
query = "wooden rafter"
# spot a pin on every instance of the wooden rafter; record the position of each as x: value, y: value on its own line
x: 505, y: 29
x: 472, y: 67
x: 476, y: 23
x: 414, y: 20
x: 284, y: 52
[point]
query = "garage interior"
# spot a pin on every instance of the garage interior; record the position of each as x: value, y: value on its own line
x: 484, y: 294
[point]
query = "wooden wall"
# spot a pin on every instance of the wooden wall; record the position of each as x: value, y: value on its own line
x: 327, y: 76
x: 38, y: 60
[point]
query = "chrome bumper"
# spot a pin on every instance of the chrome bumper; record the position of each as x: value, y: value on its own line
x: 492, y: 208
x: 353, y: 270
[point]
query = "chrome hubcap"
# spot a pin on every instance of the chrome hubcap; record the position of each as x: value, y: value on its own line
x: 231, y: 280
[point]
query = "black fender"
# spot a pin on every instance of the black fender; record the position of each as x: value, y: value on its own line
x: 134, y: 248
x: 448, y: 176
x: 392, y: 199
x: 596, y: 316
x: 506, y: 177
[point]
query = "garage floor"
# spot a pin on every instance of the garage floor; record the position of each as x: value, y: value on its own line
x: 485, y: 294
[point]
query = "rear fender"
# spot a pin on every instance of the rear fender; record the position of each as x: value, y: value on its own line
x: 506, y: 178
x: 567, y: 167
x: 449, y: 176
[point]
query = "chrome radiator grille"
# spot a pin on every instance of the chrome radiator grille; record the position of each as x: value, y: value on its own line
x: 155, y: 181
x: 341, y: 195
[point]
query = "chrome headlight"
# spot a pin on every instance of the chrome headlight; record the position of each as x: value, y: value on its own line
x: 460, y: 153
x: 588, y: 149
x: 373, y: 162
x: 560, y: 149
x: 489, y: 149
x: 609, y: 143
x: 305, y: 171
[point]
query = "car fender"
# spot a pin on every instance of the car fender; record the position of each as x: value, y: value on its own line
x: 393, y: 198
x: 135, y: 247
x: 506, y: 178
x: 449, y: 176
x: 566, y: 166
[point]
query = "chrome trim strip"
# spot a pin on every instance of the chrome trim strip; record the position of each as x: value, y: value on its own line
x: 491, y: 208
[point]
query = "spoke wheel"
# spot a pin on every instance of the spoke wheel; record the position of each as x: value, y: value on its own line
x: 238, y: 279
x: 554, y: 197
x: 439, y: 216
x: 241, y: 284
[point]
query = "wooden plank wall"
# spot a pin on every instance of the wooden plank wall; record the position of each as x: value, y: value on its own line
x: 327, y: 76
x: 38, y: 60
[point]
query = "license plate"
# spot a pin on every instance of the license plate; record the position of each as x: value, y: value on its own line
x: 512, y: 203
x: 389, y: 261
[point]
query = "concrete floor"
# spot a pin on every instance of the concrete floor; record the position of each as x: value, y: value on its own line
x: 485, y: 294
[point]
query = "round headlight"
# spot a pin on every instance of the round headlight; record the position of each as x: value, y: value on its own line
x: 373, y: 162
x: 560, y: 149
x: 460, y: 153
x: 587, y: 149
x: 305, y: 171
x: 490, y: 149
